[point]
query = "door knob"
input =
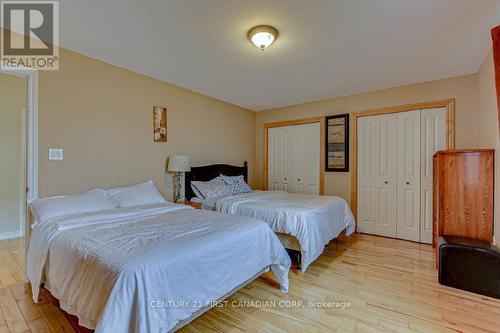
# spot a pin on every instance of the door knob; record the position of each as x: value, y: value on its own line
x: 285, y: 178
x: 386, y: 182
x: 407, y: 183
x: 298, y: 180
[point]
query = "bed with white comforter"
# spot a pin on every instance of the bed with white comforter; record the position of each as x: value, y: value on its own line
x: 313, y: 220
x: 149, y: 268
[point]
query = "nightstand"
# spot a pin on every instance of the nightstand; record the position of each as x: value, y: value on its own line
x: 195, y: 205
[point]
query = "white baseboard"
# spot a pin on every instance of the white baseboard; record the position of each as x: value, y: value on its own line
x: 10, y: 234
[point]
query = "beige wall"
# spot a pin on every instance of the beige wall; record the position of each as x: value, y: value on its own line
x: 12, y: 102
x: 463, y: 89
x: 102, y: 116
x: 488, y: 135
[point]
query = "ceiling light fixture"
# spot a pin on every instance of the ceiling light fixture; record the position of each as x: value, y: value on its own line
x: 262, y: 36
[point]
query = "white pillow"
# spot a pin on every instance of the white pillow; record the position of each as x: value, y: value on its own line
x: 52, y: 207
x: 196, y: 191
x: 140, y: 194
x: 212, y: 189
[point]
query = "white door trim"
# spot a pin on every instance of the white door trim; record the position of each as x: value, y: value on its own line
x: 11, y: 234
x: 31, y: 194
x: 32, y: 129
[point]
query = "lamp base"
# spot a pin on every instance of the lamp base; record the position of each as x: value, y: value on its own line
x: 178, y: 197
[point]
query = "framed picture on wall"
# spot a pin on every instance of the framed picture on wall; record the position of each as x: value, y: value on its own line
x: 159, y: 124
x: 337, y: 143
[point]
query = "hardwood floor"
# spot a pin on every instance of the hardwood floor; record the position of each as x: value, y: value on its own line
x: 11, y: 261
x: 391, y: 286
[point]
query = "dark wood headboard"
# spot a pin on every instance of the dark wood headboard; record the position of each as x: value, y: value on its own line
x: 208, y: 172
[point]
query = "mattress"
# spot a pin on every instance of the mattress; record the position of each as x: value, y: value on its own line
x: 143, y: 257
x: 288, y: 241
x: 311, y: 219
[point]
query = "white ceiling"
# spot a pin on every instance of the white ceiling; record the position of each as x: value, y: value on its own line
x: 326, y: 48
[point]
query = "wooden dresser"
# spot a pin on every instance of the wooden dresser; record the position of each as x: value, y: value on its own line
x: 463, y: 194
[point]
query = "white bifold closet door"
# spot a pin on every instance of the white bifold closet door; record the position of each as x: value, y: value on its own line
x: 294, y: 158
x: 395, y: 172
x: 377, y: 175
x: 408, y: 203
x: 279, y: 155
x: 432, y: 139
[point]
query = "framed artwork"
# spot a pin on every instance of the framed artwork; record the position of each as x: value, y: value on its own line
x: 337, y: 143
x: 159, y: 124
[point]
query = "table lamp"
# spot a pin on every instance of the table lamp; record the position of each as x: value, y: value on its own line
x: 179, y: 164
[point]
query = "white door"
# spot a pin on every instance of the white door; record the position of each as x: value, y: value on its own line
x: 432, y: 138
x: 377, y: 175
x: 294, y: 158
x: 395, y: 172
x: 306, y: 158
x: 408, y: 201
x: 279, y: 158
x: 367, y: 196
x: 386, y: 175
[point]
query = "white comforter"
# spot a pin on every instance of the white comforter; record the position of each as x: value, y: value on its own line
x: 144, y: 269
x: 313, y: 220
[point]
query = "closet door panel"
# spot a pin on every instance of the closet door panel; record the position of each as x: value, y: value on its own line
x: 279, y: 158
x: 298, y: 150
x: 385, y: 174
x: 408, y: 203
x: 294, y: 158
x: 306, y: 157
x: 432, y: 139
x: 367, y: 181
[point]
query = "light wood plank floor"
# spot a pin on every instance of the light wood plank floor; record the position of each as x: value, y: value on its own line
x: 391, y: 286
x: 11, y: 261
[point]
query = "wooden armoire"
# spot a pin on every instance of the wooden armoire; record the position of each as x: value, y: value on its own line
x: 463, y: 194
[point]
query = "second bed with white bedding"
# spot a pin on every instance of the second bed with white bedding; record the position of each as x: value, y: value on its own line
x: 313, y: 220
x: 148, y: 268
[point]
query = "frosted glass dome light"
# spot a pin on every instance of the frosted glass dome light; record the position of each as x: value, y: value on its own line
x: 262, y: 36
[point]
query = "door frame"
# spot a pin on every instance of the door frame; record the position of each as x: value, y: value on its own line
x: 31, y: 76
x: 294, y: 122
x: 31, y: 140
x: 449, y: 104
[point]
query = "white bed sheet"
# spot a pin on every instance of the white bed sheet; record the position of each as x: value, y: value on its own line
x: 313, y: 220
x: 111, y: 268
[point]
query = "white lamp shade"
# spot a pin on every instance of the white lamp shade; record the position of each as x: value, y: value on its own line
x: 179, y: 163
